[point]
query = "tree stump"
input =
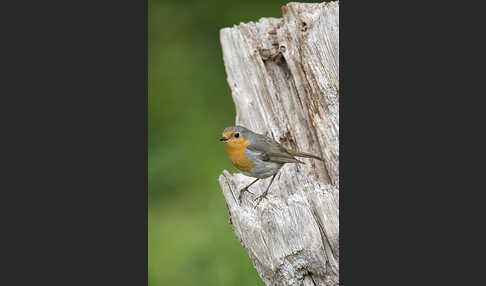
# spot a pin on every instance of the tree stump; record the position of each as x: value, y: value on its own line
x: 284, y: 78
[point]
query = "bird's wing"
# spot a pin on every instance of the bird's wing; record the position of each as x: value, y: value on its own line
x: 282, y: 158
x: 270, y: 150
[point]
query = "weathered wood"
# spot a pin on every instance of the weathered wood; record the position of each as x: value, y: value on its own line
x: 284, y: 77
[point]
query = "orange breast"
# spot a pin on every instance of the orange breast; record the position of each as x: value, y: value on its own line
x: 237, y: 155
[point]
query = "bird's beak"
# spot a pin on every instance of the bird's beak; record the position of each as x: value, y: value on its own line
x: 223, y: 138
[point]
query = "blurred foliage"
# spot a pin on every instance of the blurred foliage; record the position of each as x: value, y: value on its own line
x: 190, y: 239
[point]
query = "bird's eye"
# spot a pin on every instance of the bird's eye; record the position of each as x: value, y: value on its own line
x: 237, y: 135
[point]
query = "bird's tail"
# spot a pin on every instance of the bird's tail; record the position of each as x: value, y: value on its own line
x: 305, y: 155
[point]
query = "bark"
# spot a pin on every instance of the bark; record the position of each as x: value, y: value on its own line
x: 284, y: 77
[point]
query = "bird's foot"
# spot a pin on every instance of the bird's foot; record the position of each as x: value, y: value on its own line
x: 242, y: 191
x: 260, y: 198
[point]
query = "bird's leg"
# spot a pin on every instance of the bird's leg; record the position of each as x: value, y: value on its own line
x: 264, y: 195
x: 245, y: 189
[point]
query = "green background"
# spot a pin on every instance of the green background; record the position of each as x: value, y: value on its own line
x: 190, y: 241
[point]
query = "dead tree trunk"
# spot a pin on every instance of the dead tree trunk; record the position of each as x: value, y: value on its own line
x: 284, y: 77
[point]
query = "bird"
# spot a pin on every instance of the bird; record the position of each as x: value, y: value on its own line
x: 257, y: 155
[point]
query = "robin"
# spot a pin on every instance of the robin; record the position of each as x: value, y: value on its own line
x: 257, y: 155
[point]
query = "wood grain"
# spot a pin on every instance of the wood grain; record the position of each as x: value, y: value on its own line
x: 284, y: 78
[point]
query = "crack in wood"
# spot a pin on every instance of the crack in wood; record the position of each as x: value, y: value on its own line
x: 274, y: 69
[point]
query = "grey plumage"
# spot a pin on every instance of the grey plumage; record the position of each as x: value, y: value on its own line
x: 266, y: 156
x: 269, y: 149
